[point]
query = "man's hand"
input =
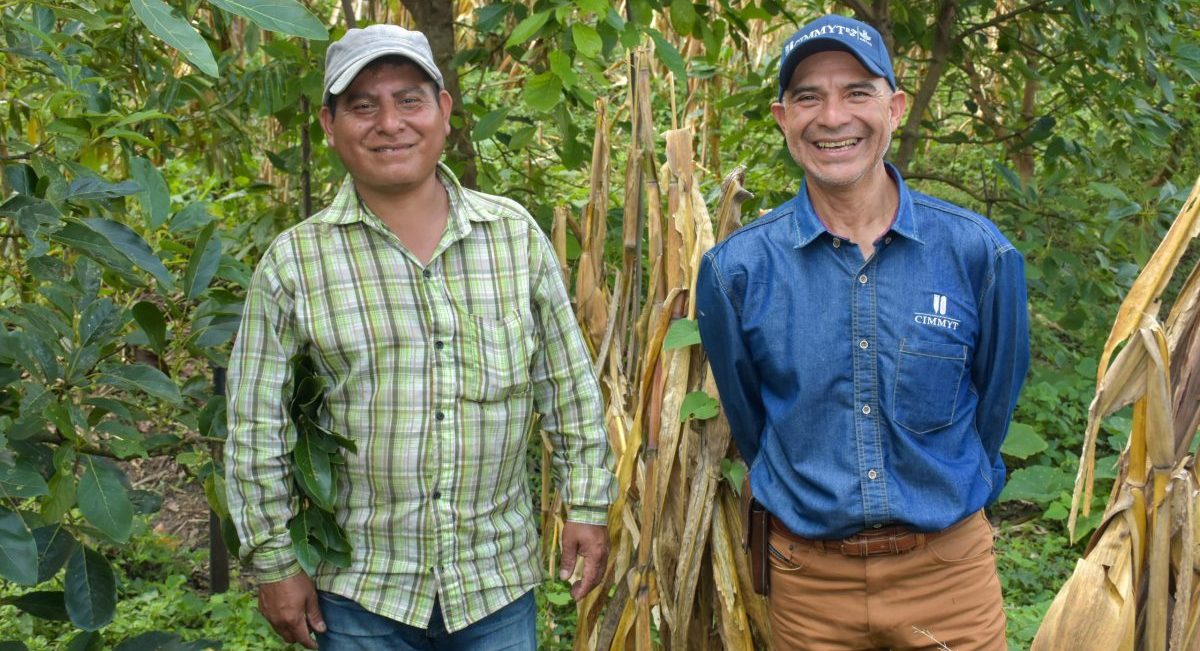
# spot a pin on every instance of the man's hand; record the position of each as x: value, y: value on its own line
x: 591, y: 542
x: 291, y: 607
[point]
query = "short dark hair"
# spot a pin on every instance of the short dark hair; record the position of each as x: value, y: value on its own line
x: 392, y: 60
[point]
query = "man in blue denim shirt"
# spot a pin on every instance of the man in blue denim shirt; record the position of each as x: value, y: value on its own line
x: 869, y: 343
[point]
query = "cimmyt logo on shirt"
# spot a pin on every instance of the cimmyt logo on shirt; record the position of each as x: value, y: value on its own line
x: 937, y: 318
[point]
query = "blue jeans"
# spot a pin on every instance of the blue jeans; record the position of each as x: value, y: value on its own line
x: 350, y: 627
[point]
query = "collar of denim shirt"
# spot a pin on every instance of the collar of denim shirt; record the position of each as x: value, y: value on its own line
x: 808, y: 226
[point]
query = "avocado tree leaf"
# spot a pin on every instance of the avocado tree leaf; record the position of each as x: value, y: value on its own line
x: 87, y: 241
x: 18, y: 550
x: 306, y: 554
x: 129, y: 243
x: 284, y: 16
x: 313, y: 471
x: 587, y: 40
x: 54, y: 546
x: 90, y: 186
x: 19, y: 481
x: 202, y: 266
x: 90, y: 589
x: 44, y: 604
x: 150, y: 319
x: 139, y: 377
x: 103, y: 499
x: 155, y: 195
x: 543, y: 91
x: 165, y: 22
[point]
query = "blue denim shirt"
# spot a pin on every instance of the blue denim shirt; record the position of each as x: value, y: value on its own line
x: 868, y: 393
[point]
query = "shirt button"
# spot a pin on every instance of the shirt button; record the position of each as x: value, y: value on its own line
x: 836, y: 243
x: 438, y: 494
x: 877, y: 525
x: 866, y: 409
x: 439, y: 416
x: 887, y: 240
x: 863, y: 344
x: 863, y: 279
x: 427, y: 273
x: 870, y: 475
x: 438, y: 345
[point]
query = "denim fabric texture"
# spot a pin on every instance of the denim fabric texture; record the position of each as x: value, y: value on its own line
x: 350, y: 627
x: 865, y: 393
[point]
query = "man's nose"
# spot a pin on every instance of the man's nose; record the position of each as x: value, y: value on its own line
x: 833, y: 113
x: 389, y: 118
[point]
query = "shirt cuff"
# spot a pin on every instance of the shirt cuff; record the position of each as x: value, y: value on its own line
x: 271, y: 565
x: 596, y: 515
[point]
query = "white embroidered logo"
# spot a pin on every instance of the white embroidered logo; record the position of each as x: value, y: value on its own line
x: 938, y: 318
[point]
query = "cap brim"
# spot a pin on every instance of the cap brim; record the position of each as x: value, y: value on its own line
x: 821, y: 44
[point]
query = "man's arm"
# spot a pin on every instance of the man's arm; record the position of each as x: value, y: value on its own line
x: 1001, y: 356
x: 261, y: 436
x: 733, y: 370
x: 567, y: 395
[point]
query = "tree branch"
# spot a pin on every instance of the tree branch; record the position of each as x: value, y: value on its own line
x: 1002, y: 18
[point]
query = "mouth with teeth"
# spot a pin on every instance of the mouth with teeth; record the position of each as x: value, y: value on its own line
x: 837, y: 145
x: 390, y: 149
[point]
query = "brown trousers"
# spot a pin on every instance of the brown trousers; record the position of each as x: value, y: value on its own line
x: 945, y: 594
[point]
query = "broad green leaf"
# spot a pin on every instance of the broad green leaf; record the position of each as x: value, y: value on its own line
x: 306, y: 554
x: 91, y: 589
x: 698, y: 405
x: 165, y: 22
x: 598, y: 7
x: 21, y: 482
x: 103, y: 499
x: 139, y: 377
x: 202, y: 266
x: 155, y: 196
x: 487, y: 125
x: 94, y: 187
x: 142, y: 116
x: 18, y: 550
x: 194, y: 215
x: 1022, y: 441
x: 682, y: 333
x: 563, y: 66
x: 150, y: 319
x: 54, y: 546
x: 87, y: 641
x: 587, y: 41
x: 13, y: 645
x: 543, y: 91
x: 128, y: 242
x: 164, y: 641
x: 527, y: 28
x: 284, y: 16
x: 1038, y: 484
x: 44, y: 604
x: 94, y: 245
x: 669, y: 55
x: 734, y: 471
x: 98, y: 321
x: 559, y: 597
x: 214, y: 490
x: 313, y: 471
x: 683, y: 16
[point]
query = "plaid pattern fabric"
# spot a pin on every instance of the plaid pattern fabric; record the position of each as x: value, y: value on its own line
x: 435, y: 372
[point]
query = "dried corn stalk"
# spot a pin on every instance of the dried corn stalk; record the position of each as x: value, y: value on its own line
x: 1136, y: 587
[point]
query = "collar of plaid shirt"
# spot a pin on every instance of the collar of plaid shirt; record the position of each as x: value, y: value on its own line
x: 436, y: 372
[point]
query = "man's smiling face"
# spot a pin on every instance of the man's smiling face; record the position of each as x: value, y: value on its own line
x: 389, y: 128
x: 837, y: 118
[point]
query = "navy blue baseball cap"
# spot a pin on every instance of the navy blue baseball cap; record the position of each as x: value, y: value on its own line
x: 834, y: 32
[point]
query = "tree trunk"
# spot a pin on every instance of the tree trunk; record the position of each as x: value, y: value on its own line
x: 435, y: 19
x: 939, y: 59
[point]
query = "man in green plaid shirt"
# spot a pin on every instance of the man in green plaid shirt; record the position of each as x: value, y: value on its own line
x: 439, y: 317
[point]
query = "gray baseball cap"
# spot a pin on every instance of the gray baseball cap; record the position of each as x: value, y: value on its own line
x: 351, y: 53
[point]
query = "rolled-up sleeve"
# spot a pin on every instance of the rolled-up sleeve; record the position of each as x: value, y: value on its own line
x: 261, y: 434
x: 568, y: 396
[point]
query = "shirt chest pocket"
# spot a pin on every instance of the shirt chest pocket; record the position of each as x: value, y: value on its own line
x: 494, y: 360
x: 928, y: 377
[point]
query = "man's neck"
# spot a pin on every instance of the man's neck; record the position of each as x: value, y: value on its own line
x: 860, y: 212
x: 417, y: 215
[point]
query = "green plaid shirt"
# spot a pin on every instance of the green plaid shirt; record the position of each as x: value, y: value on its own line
x: 435, y: 372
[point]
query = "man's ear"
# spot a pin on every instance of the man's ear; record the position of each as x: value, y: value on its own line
x: 896, y: 106
x: 327, y: 124
x: 778, y: 112
x: 445, y: 103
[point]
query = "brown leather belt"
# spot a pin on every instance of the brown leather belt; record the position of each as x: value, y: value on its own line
x: 874, y: 542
